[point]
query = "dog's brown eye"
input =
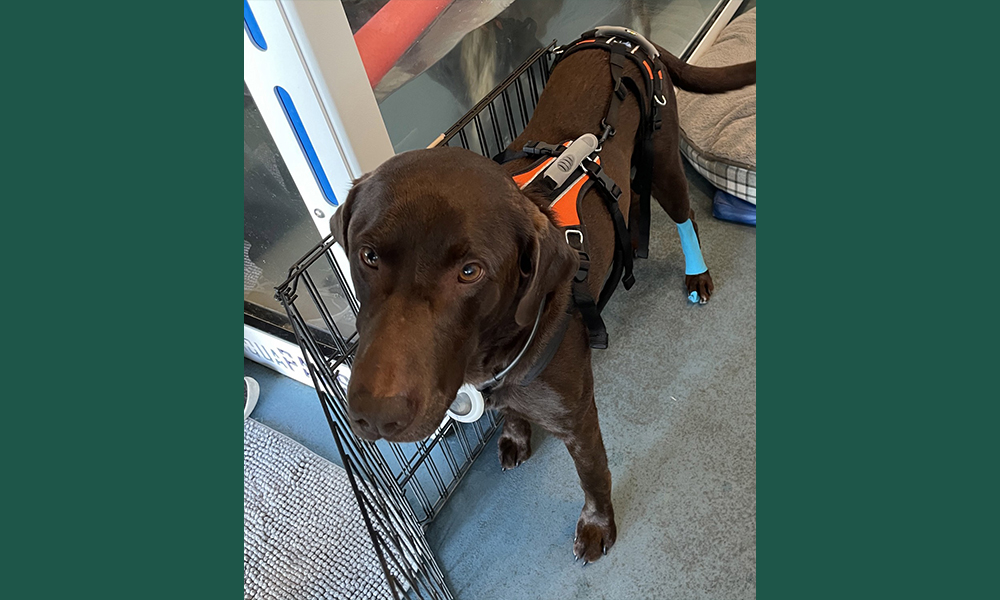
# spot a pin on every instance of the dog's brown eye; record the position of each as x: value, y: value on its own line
x: 370, y: 257
x: 470, y: 273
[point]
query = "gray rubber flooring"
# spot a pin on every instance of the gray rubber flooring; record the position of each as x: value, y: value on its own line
x: 676, y: 395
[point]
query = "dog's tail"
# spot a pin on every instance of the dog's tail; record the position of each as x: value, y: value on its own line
x: 708, y: 80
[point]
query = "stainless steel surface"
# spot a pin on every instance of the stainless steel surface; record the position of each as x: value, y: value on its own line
x: 475, y: 45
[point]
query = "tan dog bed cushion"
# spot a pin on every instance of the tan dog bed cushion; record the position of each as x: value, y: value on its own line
x: 719, y: 131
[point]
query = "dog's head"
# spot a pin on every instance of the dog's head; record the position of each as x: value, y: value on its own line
x: 447, y: 255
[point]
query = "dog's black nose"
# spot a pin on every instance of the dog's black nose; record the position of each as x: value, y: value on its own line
x: 373, y: 417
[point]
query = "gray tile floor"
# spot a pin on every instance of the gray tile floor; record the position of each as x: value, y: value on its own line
x: 676, y: 393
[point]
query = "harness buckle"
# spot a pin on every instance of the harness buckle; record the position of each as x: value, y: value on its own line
x: 616, y: 192
x: 606, y: 131
x: 579, y: 245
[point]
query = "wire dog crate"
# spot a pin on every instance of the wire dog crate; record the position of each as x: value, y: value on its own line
x: 400, y: 488
x: 493, y: 123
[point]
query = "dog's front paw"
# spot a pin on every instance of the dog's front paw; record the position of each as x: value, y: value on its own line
x: 702, y: 284
x: 513, y: 450
x: 595, y: 534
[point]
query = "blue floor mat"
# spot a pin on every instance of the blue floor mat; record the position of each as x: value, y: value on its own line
x: 730, y: 208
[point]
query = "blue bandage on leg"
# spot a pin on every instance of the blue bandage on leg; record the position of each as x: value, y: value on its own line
x: 694, y: 264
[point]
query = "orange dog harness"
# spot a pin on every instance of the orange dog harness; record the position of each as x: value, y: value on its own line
x: 579, y: 171
x: 567, y: 198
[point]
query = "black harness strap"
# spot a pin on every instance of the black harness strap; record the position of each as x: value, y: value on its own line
x: 541, y: 148
x: 508, y: 155
x: 643, y: 182
x: 611, y: 195
x: 610, y: 122
x: 531, y: 148
x: 621, y: 50
x: 582, y: 299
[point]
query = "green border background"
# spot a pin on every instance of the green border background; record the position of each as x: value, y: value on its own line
x: 122, y: 220
x: 876, y: 424
x: 877, y: 443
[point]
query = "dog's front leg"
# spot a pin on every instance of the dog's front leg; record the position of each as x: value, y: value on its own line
x: 595, y: 530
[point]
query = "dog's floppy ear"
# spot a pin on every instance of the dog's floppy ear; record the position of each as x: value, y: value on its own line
x: 338, y: 223
x: 552, y: 264
x: 342, y: 216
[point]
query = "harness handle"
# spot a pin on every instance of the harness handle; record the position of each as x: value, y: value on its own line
x: 633, y: 36
x: 570, y: 159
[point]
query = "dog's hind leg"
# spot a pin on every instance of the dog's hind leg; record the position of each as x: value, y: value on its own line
x: 670, y: 188
x: 515, y: 440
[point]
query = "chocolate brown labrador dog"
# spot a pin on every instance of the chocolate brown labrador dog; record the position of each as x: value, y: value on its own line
x: 452, y: 262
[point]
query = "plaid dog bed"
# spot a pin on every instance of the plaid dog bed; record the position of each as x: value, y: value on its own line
x: 734, y: 178
x: 719, y: 131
